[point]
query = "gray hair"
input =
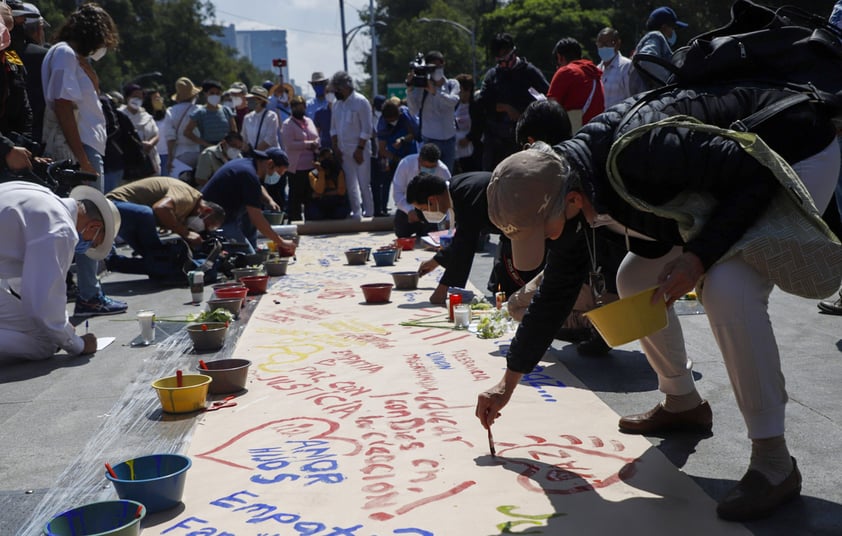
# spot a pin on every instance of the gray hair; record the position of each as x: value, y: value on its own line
x: 341, y: 79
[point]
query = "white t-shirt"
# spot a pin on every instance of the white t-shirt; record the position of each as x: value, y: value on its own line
x: 407, y: 168
x: 63, y: 78
x: 268, y: 131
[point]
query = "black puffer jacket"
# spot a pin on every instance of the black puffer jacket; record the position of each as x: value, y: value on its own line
x: 655, y: 168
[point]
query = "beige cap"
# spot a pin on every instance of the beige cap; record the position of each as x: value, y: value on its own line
x: 185, y: 90
x: 525, y: 190
x: 258, y: 92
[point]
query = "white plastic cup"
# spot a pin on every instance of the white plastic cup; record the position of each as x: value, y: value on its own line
x: 146, y: 319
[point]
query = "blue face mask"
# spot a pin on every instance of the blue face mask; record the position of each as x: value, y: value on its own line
x: 673, y: 38
x: 272, y: 178
x: 430, y: 170
x: 319, y: 89
x: 606, y: 54
x: 82, y: 246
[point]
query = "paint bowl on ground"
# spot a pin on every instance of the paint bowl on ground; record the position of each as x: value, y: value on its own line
x: 239, y: 292
x: 229, y: 375
x: 367, y: 252
x: 384, y: 257
x: 156, y: 481
x: 406, y: 243
x: 276, y: 267
x: 256, y: 284
x: 207, y: 336
x: 356, y: 257
x: 274, y: 218
x: 394, y: 247
x: 629, y: 319
x: 112, y: 518
x: 232, y: 305
x: 377, y: 292
x: 239, y: 273
x: 405, y: 280
x: 227, y: 284
x: 190, y: 397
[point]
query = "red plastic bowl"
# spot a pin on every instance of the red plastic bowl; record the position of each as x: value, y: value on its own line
x: 406, y: 243
x: 377, y: 292
x: 256, y: 284
x: 233, y: 292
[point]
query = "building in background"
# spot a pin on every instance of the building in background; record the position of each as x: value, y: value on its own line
x: 261, y: 44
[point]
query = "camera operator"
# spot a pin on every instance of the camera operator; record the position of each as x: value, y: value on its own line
x: 433, y: 99
x: 16, y: 115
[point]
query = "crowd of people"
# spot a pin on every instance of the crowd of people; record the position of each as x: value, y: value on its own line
x: 518, y: 156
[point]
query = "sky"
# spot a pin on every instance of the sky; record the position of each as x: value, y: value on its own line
x: 314, y: 32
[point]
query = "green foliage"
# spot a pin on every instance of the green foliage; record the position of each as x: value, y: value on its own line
x: 173, y: 37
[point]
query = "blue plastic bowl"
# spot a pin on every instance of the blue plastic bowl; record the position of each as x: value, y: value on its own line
x: 156, y: 481
x: 385, y: 257
x: 114, y: 518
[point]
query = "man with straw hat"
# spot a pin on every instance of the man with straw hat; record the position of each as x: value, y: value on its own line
x: 41, y: 233
x: 318, y: 81
x: 184, y: 152
x: 712, y: 208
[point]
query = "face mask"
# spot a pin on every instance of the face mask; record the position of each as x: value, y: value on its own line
x: 228, y: 104
x: 298, y: 114
x: 284, y: 98
x: 673, y: 38
x: 330, y: 97
x: 135, y: 103
x: 392, y: 123
x: 430, y: 170
x: 98, y: 54
x: 232, y: 153
x: 433, y: 216
x: 320, y: 90
x: 83, y: 245
x: 237, y: 101
x: 196, y: 223
x: 606, y: 54
x: 272, y: 178
x: 438, y: 74
x: 214, y: 100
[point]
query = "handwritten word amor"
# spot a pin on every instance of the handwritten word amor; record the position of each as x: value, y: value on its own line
x: 522, y: 519
x: 313, y: 459
x: 266, y: 516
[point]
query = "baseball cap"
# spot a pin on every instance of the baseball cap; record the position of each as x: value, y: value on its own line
x: 664, y: 15
x: 525, y: 189
x: 275, y: 154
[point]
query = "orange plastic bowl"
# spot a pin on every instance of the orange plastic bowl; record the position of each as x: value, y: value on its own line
x: 232, y: 292
x: 256, y: 284
x: 377, y: 292
x: 406, y: 243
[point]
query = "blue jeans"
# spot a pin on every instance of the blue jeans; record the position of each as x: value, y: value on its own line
x: 241, y: 230
x: 448, y: 151
x: 86, y: 267
x: 112, y: 179
x: 139, y: 230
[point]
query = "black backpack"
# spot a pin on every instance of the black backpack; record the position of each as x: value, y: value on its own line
x: 786, y: 47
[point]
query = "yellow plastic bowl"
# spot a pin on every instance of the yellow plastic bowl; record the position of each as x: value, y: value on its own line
x: 629, y: 319
x: 191, y: 396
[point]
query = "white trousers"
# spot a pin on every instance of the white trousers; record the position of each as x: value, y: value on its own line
x: 358, y: 183
x: 736, y: 299
x: 18, y: 337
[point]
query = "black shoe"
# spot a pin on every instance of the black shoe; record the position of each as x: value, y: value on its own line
x: 593, y: 347
x: 754, y: 497
x: 574, y: 335
x: 833, y: 307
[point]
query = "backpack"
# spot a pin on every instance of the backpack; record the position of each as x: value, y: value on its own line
x: 786, y: 47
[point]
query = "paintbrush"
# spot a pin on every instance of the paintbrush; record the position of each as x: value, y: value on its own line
x: 491, y: 442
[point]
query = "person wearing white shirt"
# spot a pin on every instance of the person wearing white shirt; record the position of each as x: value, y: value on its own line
x: 435, y: 106
x: 614, y: 66
x: 350, y: 130
x: 260, y: 126
x: 183, y: 152
x: 408, y: 220
x: 41, y: 233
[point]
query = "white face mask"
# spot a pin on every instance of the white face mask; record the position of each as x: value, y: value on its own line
x: 237, y: 101
x: 232, y: 153
x: 135, y: 103
x: 438, y: 74
x: 214, y: 100
x: 228, y: 104
x: 330, y: 97
x: 98, y: 54
x: 196, y: 223
x: 284, y: 98
x: 272, y: 178
x: 433, y: 216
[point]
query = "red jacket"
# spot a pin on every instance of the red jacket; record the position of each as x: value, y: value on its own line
x: 572, y: 85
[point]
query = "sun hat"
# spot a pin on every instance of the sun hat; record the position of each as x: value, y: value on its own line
x: 287, y: 87
x: 185, y: 90
x: 238, y: 87
x: 110, y: 219
x: 525, y: 189
x: 258, y: 92
x: 318, y: 77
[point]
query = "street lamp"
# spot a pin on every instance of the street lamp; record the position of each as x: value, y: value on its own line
x: 464, y: 29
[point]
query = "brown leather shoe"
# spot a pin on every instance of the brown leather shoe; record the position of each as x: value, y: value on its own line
x: 754, y: 497
x: 657, y: 419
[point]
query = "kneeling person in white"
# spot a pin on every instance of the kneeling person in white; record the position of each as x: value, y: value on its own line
x: 41, y: 233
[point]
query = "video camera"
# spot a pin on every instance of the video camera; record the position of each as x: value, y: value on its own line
x: 421, y: 72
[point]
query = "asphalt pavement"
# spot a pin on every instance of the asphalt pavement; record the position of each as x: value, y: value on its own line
x: 58, y: 426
